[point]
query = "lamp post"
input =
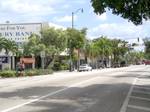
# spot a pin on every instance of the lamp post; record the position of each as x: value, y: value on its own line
x: 73, y: 13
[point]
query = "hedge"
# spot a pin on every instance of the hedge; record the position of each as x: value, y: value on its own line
x: 32, y: 72
x: 8, y: 73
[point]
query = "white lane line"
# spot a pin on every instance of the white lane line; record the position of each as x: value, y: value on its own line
x: 148, y: 88
x: 140, y: 98
x: 125, y: 103
x: 142, y: 92
x: 50, y: 94
x: 139, y: 107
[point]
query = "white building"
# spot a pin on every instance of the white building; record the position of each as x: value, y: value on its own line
x: 19, y: 33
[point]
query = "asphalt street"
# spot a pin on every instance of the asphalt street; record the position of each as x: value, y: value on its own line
x: 108, y: 90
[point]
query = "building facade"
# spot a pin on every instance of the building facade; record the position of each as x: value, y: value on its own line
x: 19, y: 32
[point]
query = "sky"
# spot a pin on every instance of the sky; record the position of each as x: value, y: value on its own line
x: 58, y: 13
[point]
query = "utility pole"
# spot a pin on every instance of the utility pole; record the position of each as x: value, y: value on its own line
x: 80, y: 9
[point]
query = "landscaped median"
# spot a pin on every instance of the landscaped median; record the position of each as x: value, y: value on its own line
x: 32, y: 72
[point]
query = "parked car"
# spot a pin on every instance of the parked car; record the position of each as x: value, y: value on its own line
x: 146, y: 62
x: 85, y: 67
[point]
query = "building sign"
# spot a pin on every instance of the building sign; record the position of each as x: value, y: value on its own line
x: 3, y: 59
x: 27, y: 60
x: 19, y: 32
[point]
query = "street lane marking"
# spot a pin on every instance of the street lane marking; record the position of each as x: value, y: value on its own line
x: 148, y: 88
x: 50, y: 94
x: 125, y: 103
x: 53, y: 93
x: 141, y: 92
x: 140, y: 98
x: 139, y: 107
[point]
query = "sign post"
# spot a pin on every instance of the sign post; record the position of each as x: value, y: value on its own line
x: 42, y: 59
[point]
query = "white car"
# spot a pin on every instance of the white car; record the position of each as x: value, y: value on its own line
x: 85, y: 67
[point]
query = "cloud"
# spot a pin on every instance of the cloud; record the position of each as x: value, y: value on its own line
x: 56, y: 26
x: 37, y: 10
x: 125, y: 31
x: 102, y: 17
x: 118, y: 30
x: 65, y: 18
x: 66, y: 6
x: 27, y: 6
x: 27, y: 10
x: 79, y: 1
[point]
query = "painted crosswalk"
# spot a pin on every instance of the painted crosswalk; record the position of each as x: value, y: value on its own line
x: 138, y: 98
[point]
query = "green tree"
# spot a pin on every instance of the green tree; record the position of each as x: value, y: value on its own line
x: 34, y: 46
x: 76, y: 41
x: 8, y: 46
x: 76, y: 38
x: 104, y: 45
x: 55, y: 42
x: 135, y: 57
x: 147, y: 47
x: 133, y: 10
x: 2, y: 43
x: 119, y: 49
x: 94, y: 53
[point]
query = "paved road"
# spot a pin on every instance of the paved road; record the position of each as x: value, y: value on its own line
x: 108, y: 90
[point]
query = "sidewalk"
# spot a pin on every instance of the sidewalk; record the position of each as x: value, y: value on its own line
x: 5, y: 82
x: 66, y: 72
x: 10, y: 81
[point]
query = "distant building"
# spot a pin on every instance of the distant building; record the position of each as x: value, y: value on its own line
x: 20, y: 32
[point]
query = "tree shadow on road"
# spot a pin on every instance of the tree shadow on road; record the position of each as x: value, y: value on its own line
x: 72, y: 99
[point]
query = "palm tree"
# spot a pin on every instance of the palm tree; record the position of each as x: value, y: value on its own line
x: 2, y: 43
x: 119, y: 50
x: 105, y: 48
x: 8, y: 46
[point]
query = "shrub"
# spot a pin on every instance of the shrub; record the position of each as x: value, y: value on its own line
x: 60, y: 66
x: 64, y: 67
x: 56, y: 66
x: 31, y: 72
x: 45, y: 71
x: 8, y: 73
x: 34, y: 72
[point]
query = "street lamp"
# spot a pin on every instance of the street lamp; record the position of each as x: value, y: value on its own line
x: 73, y: 13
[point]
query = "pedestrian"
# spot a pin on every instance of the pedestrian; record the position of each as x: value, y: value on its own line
x: 18, y: 69
x: 22, y: 68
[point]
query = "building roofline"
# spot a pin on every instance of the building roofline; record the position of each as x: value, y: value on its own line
x: 20, y: 23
